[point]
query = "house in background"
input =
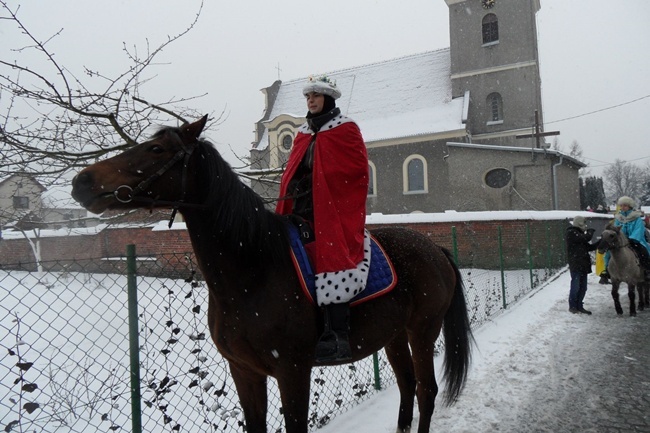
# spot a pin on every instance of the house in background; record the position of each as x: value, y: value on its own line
x: 20, y: 195
x: 24, y: 200
x: 442, y: 127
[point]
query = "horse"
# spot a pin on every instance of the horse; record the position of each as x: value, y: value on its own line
x: 258, y: 317
x: 624, y: 266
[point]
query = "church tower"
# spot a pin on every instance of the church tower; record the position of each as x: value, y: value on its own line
x: 494, y: 57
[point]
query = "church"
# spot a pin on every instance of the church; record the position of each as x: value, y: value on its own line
x: 458, y: 129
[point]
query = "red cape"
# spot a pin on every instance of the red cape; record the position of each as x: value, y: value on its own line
x: 340, y: 188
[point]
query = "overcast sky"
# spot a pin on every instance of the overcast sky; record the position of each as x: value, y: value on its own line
x: 594, y: 54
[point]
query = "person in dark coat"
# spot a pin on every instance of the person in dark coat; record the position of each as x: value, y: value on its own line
x: 578, y: 237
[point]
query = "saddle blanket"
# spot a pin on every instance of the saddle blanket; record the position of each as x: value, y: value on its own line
x: 381, y: 277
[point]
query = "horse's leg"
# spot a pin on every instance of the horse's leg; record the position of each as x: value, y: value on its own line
x: 630, y: 294
x: 251, y: 388
x: 422, y: 346
x: 640, y: 288
x: 294, y: 384
x: 399, y: 356
x: 617, y: 302
x: 646, y: 285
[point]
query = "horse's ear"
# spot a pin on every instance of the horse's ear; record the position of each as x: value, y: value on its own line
x: 194, y: 129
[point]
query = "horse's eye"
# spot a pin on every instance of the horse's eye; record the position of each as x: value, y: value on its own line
x: 156, y: 149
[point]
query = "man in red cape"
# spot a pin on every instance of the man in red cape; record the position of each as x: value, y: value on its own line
x: 326, y: 184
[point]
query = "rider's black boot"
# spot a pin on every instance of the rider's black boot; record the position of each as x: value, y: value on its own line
x: 333, y: 345
x: 604, y: 277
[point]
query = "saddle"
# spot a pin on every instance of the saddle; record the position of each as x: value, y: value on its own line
x: 381, y: 278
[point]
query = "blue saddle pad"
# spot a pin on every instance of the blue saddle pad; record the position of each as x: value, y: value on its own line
x: 381, y: 278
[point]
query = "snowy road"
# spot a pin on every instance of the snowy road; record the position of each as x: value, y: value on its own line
x: 539, y: 368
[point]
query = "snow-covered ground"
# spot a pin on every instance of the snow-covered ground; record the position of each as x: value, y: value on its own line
x: 527, y: 345
x: 514, y: 353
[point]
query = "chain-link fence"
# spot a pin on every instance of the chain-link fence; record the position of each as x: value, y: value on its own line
x: 66, y: 363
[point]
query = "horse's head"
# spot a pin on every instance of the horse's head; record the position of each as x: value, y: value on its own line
x: 610, y: 238
x: 151, y: 174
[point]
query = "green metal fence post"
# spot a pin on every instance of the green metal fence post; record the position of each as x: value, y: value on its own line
x: 454, y: 243
x: 548, y: 247
x: 530, y: 254
x: 134, y: 343
x: 503, y: 277
x: 375, y: 363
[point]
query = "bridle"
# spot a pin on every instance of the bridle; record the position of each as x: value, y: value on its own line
x: 624, y: 244
x: 132, y: 193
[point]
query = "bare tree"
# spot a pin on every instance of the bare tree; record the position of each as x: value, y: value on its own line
x: 623, y: 178
x: 53, y: 120
x: 56, y: 118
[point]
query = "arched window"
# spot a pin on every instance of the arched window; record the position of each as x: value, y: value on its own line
x: 415, y: 174
x: 372, y: 180
x: 490, y: 29
x: 495, y: 107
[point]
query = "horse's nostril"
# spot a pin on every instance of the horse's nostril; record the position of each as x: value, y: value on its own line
x: 82, y: 179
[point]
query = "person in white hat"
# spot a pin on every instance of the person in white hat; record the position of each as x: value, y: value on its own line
x: 326, y: 184
x: 578, y: 236
x: 632, y: 224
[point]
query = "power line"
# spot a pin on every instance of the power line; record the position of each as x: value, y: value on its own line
x: 604, y: 163
x: 598, y: 111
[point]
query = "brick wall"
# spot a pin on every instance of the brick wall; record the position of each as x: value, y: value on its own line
x: 476, y: 244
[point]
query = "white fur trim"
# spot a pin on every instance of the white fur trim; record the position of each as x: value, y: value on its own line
x: 336, y: 121
x: 323, y: 88
x: 628, y: 201
x: 341, y: 286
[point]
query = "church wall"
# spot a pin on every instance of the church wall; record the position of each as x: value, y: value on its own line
x: 569, y: 189
x: 259, y: 159
x: 529, y: 188
x: 389, y: 162
x: 533, y: 185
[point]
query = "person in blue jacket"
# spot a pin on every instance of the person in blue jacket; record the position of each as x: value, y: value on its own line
x: 631, y: 223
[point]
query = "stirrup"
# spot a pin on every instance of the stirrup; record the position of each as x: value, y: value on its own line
x: 332, y: 347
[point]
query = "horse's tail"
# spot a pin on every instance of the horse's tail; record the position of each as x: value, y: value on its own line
x: 458, y: 339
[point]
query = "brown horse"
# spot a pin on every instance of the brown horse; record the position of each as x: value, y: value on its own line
x: 624, y: 267
x: 258, y: 317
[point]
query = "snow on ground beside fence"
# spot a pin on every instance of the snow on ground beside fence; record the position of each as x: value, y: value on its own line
x: 73, y: 327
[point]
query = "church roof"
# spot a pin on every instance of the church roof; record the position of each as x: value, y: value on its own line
x: 402, y: 97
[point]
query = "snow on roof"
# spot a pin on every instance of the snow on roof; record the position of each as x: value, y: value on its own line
x: 402, y: 97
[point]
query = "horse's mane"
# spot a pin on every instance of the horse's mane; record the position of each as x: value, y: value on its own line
x: 238, y: 216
